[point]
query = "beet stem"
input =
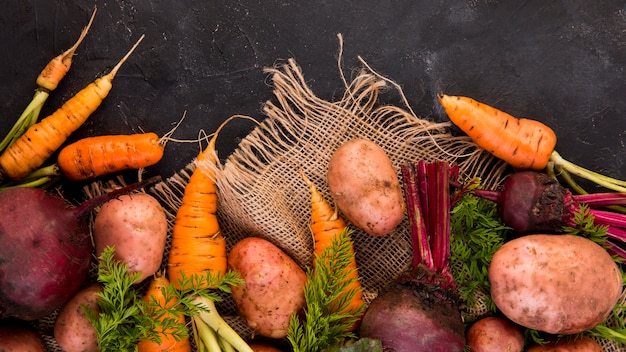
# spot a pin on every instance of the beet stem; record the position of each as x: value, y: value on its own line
x: 419, y: 235
x: 87, y: 206
x: 427, y: 193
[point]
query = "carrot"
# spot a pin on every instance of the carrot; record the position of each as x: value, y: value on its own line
x: 47, y: 81
x: 198, y: 245
x: 198, y: 249
x: 169, y: 342
x: 96, y: 156
x: 58, y: 67
x: 523, y: 143
x: 42, y: 139
x: 326, y: 225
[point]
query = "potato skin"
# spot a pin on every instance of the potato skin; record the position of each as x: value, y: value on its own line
x: 365, y: 186
x: 136, y: 225
x: 494, y: 334
x: 273, y: 288
x: 72, y: 330
x: 560, y: 284
x: 582, y: 344
x: 20, y: 339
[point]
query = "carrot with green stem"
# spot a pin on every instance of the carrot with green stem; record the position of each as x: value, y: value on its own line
x: 523, y: 143
x: 42, y: 139
x: 326, y: 226
x: 169, y: 340
x: 198, y: 249
x: 47, y: 81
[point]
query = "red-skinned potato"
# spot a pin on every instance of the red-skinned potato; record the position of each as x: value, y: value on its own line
x: 72, y: 330
x: 494, y: 334
x: 20, y: 339
x: 273, y: 287
x: 136, y: 225
x: 579, y: 344
x: 560, y: 284
x: 365, y: 186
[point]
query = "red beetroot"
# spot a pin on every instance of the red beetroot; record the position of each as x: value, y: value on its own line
x: 534, y: 202
x: 46, y: 249
x: 419, y: 311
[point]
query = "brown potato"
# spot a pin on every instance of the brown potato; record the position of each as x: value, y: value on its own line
x: 72, y: 330
x: 365, y: 187
x: 136, y: 225
x: 560, y: 284
x: 580, y: 344
x: 494, y: 334
x: 20, y: 339
x: 273, y: 288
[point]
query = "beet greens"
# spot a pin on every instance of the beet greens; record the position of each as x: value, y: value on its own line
x: 419, y: 311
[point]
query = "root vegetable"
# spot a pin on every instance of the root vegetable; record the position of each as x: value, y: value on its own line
x: 419, y: 312
x: 561, y: 284
x: 533, y: 202
x: 136, y: 225
x: 365, y: 186
x: 273, y: 286
x: 494, y: 334
x: 73, y: 332
x: 47, y: 255
x: 20, y: 339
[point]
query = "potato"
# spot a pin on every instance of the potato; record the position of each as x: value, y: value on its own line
x: 136, y: 225
x: 560, y: 284
x: 20, y: 339
x: 494, y: 334
x: 365, y: 187
x: 72, y: 330
x: 580, y: 344
x: 273, y: 288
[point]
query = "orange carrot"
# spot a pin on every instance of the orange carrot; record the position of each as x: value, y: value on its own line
x: 47, y: 81
x: 42, y: 139
x: 168, y: 340
x: 58, y: 67
x: 96, y: 156
x: 198, y: 250
x: 198, y: 245
x: 326, y: 225
x: 523, y: 143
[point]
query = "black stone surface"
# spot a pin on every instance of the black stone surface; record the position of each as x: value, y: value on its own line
x: 561, y: 62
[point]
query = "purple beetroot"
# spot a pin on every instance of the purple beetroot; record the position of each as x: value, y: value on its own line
x: 46, y: 249
x: 534, y: 202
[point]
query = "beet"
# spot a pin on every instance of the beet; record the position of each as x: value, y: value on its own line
x: 534, y: 202
x: 419, y: 311
x: 46, y: 249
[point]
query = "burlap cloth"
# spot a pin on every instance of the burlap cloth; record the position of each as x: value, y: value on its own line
x: 262, y: 194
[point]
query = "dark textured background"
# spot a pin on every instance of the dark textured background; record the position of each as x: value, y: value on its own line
x: 561, y: 62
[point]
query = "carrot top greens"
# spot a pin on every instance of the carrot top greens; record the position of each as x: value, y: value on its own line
x: 477, y: 233
x: 327, y: 286
x: 125, y: 318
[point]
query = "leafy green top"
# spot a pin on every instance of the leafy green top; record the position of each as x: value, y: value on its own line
x: 326, y: 285
x: 125, y: 318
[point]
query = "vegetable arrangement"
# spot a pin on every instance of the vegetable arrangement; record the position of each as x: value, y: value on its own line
x: 537, y: 281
